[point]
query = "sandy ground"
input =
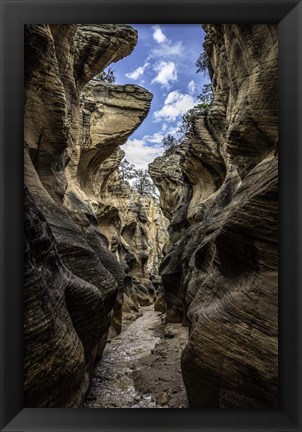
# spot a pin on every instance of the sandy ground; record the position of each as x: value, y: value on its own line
x: 140, y: 368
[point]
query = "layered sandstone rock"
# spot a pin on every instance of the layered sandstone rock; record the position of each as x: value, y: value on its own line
x: 132, y: 224
x: 65, y: 320
x: 220, y: 275
x: 136, y: 231
x: 168, y: 177
x: 73, y: 282
x: 110, y: 114
x: 90, y: 240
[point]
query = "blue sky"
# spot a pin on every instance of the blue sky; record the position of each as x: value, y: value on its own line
x: 163, y: 62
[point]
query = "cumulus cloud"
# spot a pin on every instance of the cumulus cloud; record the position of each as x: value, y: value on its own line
x: 175, y: 105
x: 158, y: 34
x: 156, y: 138
x: 139, y: 153
x: 191, y: 87
x: 167, y: 49
x: 166, y: 72
x: 138, y: 71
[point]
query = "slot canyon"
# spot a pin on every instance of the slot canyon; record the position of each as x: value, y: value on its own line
x: 134, y: 300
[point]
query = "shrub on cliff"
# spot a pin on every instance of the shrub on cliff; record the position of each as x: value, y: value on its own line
x: 206, y: 96
x: 106, y: 76
x: 169, y: 143
x: 190, y: 116
x: 203, y: 63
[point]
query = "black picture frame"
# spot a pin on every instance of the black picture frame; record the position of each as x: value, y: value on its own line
x: 14, y: 14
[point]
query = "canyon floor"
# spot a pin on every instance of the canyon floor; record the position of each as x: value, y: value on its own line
x: 140, y: 368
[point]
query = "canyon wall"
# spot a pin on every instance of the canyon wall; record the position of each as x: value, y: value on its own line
x: 219, y: 191
x: 136, y: 231
x: 74, y: 277
x: 132, y: 223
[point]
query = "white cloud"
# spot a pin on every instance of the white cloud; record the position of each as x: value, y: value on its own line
x: 139, y: 153
x: 174, y: 130
x: 158, y: 34
x: 171, y: 128
x: 191, y: 87
x: 166, y: 72
x: 172, y: 97
x: 138, y: 71
x: 167, y: 50
x: 156, y: 138
x: 175, y: 105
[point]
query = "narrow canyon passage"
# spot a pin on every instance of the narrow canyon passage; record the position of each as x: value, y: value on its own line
x: 148, y: 206
x: 140, y: 368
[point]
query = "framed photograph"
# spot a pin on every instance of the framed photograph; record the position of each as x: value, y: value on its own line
x: 151, y: 215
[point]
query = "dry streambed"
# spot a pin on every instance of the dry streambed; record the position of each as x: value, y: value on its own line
x: 140, y: 368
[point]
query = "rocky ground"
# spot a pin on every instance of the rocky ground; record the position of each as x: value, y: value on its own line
x: 140, y: 368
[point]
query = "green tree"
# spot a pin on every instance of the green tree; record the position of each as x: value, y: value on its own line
x: 127, y: 170
x: 169, y: 143
x: 206, y: 95
x: 143, y: 184
x: 106, y: 76
x: 191, y: 115
x: 203, y: 63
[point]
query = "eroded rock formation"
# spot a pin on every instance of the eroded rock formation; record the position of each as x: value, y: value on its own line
x: 74, y: 283
x: 93, y: 245
x: 136, y: 232
x: 132, y: 224
x: 220, y: 273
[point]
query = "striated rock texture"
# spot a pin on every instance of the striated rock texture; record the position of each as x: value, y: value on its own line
x: 61, y: 339
x: 220, y: 273
x: 111, y: 113
x: 72, y: 280
x: 132, y: 224
x: 136, y: 230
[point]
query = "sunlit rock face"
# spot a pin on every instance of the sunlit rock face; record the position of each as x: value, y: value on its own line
x: 220, y: 274
x: 73, y: 281
x: 168, y: 177
x: 129, y: 219
x: 110, y: 114
x: 132, y: 224
x: 136, y: 231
